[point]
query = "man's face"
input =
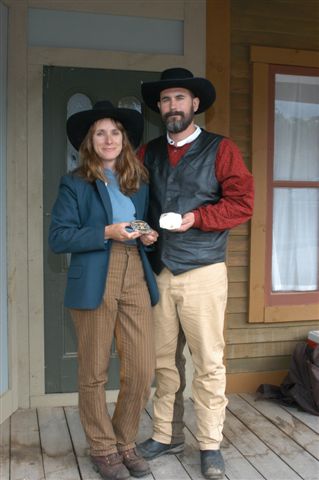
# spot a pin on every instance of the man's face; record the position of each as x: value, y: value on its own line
x: 177, y: 107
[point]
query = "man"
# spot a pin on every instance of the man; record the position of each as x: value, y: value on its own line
x: 202, y: 177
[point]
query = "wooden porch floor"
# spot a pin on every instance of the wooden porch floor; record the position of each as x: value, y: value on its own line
x: 262, y: 440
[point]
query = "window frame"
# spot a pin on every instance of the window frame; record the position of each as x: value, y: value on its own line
x: 263, y: 306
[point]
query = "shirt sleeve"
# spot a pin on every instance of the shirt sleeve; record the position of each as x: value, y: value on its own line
x: 237, y: 192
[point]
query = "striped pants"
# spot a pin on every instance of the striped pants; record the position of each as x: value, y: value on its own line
x: 191, y: 309
x: 126, y: 314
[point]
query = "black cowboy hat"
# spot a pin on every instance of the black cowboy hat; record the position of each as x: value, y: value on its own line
x: 78, y: 124
x: 179, y: 77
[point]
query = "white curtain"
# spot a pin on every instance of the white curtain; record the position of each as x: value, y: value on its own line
x: 295, y: 257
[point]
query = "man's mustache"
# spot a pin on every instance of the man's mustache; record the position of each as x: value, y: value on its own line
x: 173, y: 114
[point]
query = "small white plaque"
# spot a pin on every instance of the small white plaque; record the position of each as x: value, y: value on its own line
x: 170, y: 220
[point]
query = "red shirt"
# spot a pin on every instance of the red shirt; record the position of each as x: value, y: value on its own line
x: 237, y: 188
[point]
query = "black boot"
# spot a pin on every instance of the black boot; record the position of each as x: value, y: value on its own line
x: 152, y: 449
x: 212, y: 464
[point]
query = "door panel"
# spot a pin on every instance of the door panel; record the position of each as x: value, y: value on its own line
x: 59, y: 85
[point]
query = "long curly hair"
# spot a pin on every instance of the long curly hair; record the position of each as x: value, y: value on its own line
x: 131, y: 172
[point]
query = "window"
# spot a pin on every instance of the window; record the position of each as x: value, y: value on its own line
x: 284, y: 282
x: 293, y: 185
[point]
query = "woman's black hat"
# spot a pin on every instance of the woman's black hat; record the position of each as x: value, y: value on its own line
x: 179, y: 77
x: 79, y: 123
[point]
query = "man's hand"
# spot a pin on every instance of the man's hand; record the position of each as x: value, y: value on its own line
x: 188, y: 220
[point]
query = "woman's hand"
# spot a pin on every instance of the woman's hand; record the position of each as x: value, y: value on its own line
x: 120, y: 232
x: 149, y: 238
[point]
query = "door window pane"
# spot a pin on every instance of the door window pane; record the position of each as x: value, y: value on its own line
x: 77, y: 103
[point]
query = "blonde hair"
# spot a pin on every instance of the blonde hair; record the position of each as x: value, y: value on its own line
x: 131, y: 172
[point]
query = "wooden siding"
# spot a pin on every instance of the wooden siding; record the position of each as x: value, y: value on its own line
x: 274, y: 23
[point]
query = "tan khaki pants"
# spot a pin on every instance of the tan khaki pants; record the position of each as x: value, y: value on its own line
x: 191, y: 308
x: 125, y: 312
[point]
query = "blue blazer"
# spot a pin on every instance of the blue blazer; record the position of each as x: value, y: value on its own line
x: 79, y: 215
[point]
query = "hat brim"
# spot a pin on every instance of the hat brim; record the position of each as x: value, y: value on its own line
x: 200, y: 87
x: 79, y: 124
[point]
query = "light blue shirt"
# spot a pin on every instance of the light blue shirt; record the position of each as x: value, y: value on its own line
x: 122, y: 206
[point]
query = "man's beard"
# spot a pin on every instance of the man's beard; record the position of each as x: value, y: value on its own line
x: 177, y: 125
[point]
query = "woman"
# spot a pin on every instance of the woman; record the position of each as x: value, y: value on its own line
x: 110, y: 286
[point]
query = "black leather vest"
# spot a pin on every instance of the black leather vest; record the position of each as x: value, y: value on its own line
x: 192, y: 183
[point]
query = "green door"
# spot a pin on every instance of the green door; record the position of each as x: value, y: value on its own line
x: 65, y: 91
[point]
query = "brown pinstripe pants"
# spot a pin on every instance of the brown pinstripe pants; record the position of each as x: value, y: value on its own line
x: 125, y: 312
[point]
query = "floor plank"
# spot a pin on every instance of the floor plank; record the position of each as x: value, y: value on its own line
x: 5, y: 450
x: 58, y: 458
x: 168, y: 467
x: 297, y: 430
x: 26, y: 458
x: 288, y: 450
x: 311, y: 421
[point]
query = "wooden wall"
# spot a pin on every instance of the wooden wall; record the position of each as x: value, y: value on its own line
x: 275, y: 23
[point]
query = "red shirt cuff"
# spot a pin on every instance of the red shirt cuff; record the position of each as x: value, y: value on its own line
x: 197, y: 219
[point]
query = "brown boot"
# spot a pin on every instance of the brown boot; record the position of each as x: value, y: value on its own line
x: 110, y: 467
x: 135, y: 463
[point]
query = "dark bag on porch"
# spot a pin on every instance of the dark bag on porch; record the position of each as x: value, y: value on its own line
x: 300, y: 387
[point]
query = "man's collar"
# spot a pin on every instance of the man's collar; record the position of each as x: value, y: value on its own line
x: 188, y: 139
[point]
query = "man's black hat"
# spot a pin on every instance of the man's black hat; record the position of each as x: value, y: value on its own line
x: 179, y: 77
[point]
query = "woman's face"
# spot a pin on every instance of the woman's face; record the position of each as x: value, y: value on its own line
x: 107, y: 141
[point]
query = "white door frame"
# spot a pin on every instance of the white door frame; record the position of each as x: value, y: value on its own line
x: 4, y: 359
x: 193, y: 14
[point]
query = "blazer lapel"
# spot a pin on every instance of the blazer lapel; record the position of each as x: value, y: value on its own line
x: 105, y: 199
x: 135, y: 197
